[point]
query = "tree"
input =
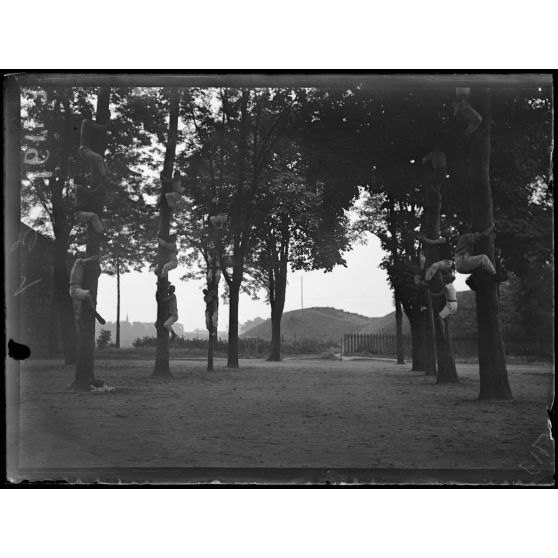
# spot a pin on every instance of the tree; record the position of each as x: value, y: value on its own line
x: 128, y: 233
x: 394, y: 249
x: 393, y: 218
x: 161, y: 368
x: 235, y: 132
x: 52, y: 122
x: 493, y: 372
x: 125, y: 252
x: 103, y: 341
x: 287, y: 222
x: 372, y: 139
x: 440, y: 361
x: 53, y: 193
x: 84, y: 371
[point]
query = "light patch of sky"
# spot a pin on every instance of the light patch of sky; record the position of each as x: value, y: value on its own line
x: 361, y: 287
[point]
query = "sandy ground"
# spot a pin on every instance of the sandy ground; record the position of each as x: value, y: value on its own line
x: 291, y: 414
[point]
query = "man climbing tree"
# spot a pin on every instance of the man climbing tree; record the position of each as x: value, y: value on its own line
x: 170, y: 301
x: 161, y: 368
x: 465, y: 261
x: 445, y: 263
x: 211, y: 299
x: 492, y: 361
x: 79, y: 295
x: 84, y: 372
x: 90, y: 132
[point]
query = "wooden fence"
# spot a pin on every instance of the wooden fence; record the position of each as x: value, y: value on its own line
x: 463, y: 347
x: 376, y: 344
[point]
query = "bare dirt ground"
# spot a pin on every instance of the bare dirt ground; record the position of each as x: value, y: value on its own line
x: 291, y: 414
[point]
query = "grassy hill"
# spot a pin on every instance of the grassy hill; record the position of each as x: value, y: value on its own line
x: 464, y: 323
x: 329, y: 324
x: 320, y: 324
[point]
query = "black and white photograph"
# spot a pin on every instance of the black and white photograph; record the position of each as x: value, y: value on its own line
x: 279, y: 278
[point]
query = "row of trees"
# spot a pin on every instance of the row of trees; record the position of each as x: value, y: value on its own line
x: 285, y: 165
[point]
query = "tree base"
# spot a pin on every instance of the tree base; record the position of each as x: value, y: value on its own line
x: 498, y: 397
x: 82, y: 387
x: 447, y: 380
x: 273, y: 359
x: 78, y: 387
x: 161, y: 375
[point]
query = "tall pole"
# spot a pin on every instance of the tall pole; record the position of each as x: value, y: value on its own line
x: 117, y: 340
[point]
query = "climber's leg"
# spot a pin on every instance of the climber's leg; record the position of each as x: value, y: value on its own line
x: 93, y: 158
x: 90, y: 216
x: 172, y: 199
x: 468, y: 264
x: 448, y: 310
x: 168, y: 324
x: 171, y: 264
x: 443, y: 265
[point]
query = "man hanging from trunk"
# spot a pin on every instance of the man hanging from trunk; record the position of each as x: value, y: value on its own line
x: 445, y: 262
x: 172, y: 252
x: 172, y: 310
x: 176, y: 186
x: 88, y: 140
x: 85, y: 200
x: 211, y: 294
x: 465, y: 113
x: 77, y: 293
x: 450, y: 295
x: 465, y: 261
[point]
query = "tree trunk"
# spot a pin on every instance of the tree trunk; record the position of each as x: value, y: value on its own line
x: 429, y: 351
x: 240, y: 230
x: 417, y: 341
x: 234, y: 295
x: 431, y: 229
x: 493, y: 373
x: 276, y: 317
x: 447, y: 371
x: 275, y: 352
x: 63, y: 301
x: 117, y: 340
x: 399, y: 332
x: 161, y: 368
x: 437, y: 334
x: 210, y: 349
x: 84, y: 372
x: 61, y: 233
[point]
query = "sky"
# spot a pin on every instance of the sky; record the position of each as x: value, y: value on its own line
x: 361, y: 287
